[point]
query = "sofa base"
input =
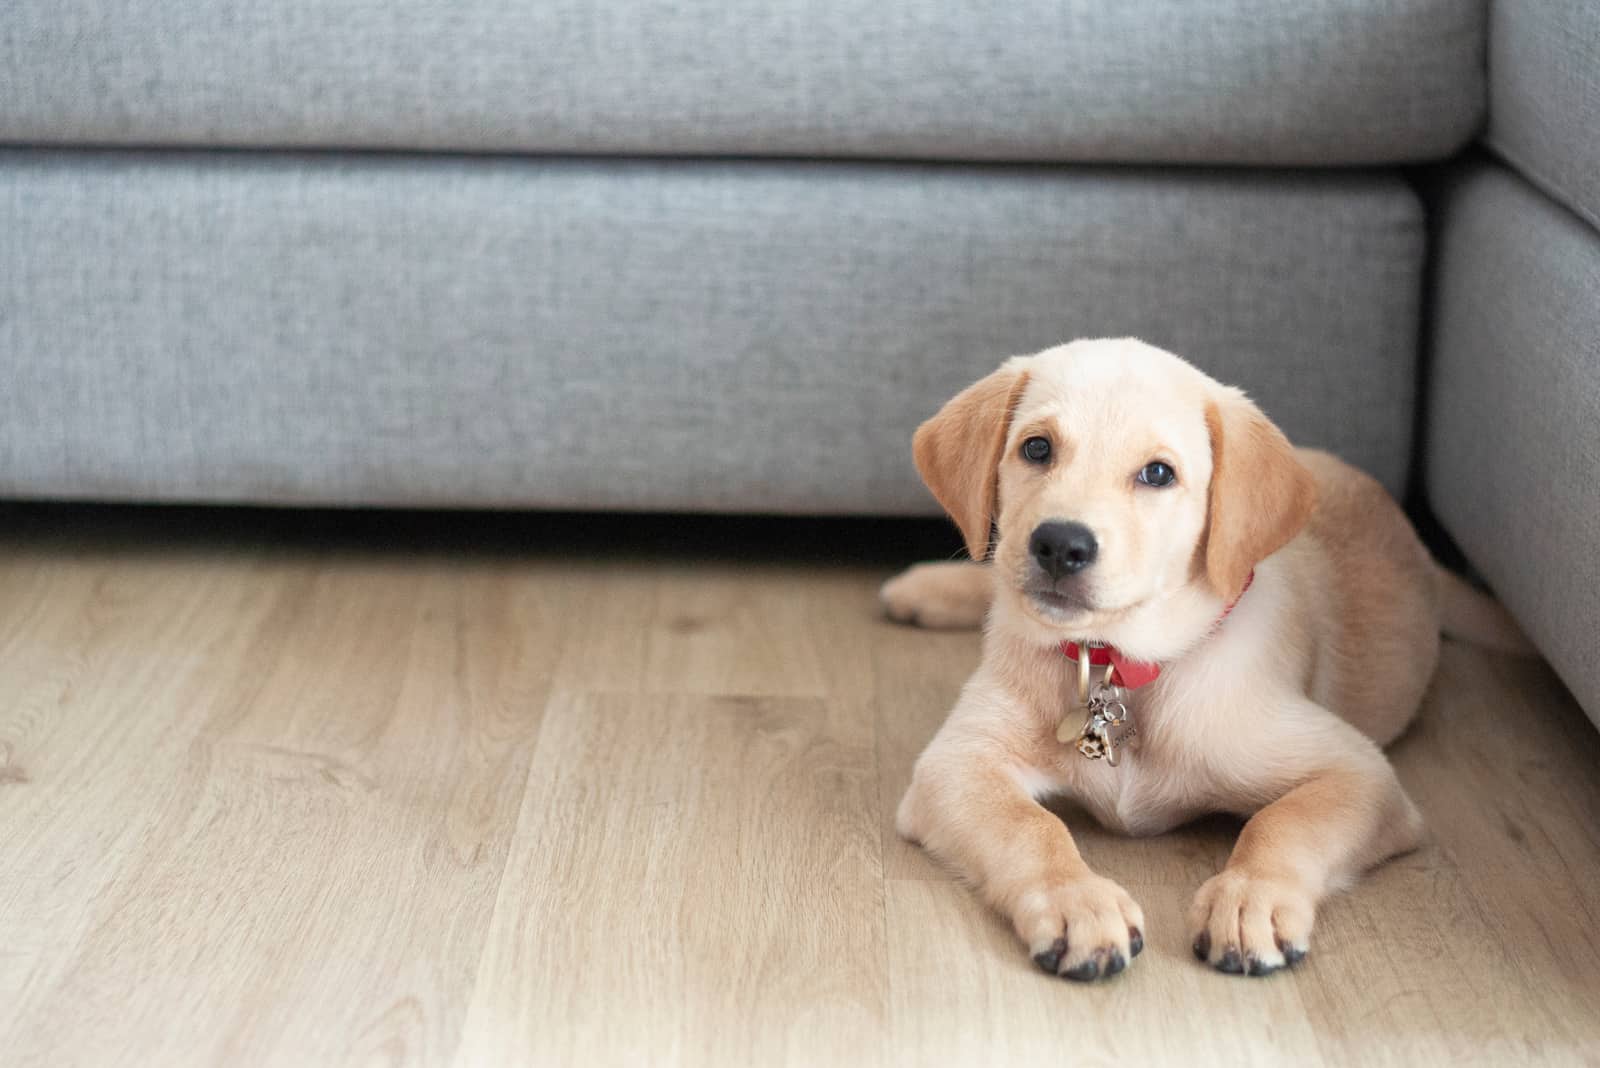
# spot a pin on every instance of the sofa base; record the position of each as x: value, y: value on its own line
x: 1512, y: 450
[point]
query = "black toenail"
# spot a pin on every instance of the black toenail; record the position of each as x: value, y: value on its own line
x: 1084, y: 972
x: 1115, y: 963
x: 1202, y: 945
x: 1135, y: 941
x: 1253, y: 966
x: 1293, y: 955
x: 1230, y: 962
x: 1050, y: 959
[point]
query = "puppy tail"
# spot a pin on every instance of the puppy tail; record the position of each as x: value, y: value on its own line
x: 1470, y: 615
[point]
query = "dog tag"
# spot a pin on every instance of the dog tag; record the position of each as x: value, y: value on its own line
x: 1096, y: 743
x: 1072, y: 724
x: 1102, y: 724
x: 1075, y: 721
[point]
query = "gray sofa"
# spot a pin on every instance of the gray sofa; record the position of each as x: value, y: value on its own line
x: 683, y: 256
x: 1513, y: 406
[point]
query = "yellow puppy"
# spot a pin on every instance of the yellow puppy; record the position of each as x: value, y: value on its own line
x: 1288, y: 614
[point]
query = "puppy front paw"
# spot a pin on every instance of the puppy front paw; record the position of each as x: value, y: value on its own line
x: 1085, y: 929
x: 1246, y: 924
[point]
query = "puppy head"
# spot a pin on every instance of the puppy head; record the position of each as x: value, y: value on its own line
x: 1118, y: 477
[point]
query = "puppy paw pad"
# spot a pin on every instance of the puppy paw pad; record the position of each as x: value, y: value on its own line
x: 1049, y: 960
x: 1086, y: 972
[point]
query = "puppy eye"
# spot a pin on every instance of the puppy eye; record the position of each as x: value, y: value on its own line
x: 1157, y: 474
x: 1036, y: 450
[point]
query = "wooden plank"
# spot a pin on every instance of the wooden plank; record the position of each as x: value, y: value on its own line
x: 108, y: 676
x: 696, y: 880
x: 319, y: 876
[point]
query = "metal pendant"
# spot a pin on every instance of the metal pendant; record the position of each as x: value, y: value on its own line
x: 1099, y: 727
x: 1072, y: 724
x: 1076, y: 718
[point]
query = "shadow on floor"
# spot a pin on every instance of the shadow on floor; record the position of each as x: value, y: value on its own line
x: 785, y: 539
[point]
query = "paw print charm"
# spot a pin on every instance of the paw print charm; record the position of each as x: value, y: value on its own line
x: 1093, y: 743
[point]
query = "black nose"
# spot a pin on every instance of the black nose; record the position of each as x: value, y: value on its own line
x: 1063, y: 548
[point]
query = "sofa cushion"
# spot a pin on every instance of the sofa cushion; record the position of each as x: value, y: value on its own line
x: 1511, y: 446
x: 748, y: 337
x: 1256, y: 81
x: 644, y: 334
x: 1544, y: 114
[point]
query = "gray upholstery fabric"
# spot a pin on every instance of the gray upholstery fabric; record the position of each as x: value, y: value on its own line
x: 689, y: 335
x: 1513, y: 445
x: 1257, y: 81
x: 1544, y: 67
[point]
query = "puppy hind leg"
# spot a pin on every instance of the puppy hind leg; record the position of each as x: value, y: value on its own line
x: 953, y: 595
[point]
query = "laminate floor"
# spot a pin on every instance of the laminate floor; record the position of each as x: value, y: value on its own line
x: 300, y: 790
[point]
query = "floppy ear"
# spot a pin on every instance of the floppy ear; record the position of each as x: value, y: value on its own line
x: 958, y: 451
x: 1261, y: 495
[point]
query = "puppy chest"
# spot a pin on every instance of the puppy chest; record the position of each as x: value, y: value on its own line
x: 1138, y: 797
x: 1146, y: 792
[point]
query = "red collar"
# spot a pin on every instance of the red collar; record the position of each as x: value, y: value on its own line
x: 1132, y: 674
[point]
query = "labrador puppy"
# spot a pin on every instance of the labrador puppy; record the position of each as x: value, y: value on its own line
x: 1258, y: 622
